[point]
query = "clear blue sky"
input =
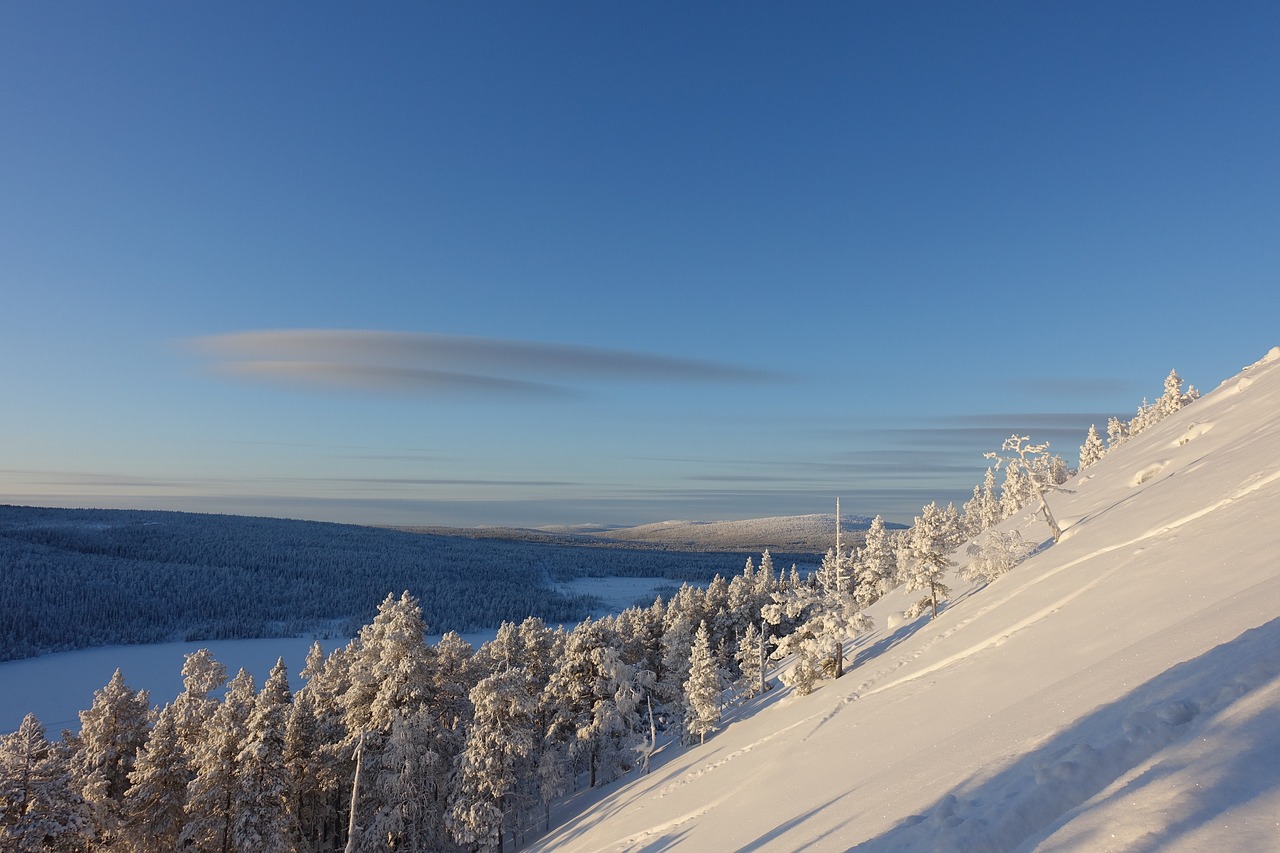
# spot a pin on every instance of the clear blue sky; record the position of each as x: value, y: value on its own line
x: 534, y: 263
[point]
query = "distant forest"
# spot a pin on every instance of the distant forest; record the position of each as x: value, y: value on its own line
x: 77, y: 578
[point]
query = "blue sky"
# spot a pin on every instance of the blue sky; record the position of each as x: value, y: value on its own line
x: 491, y: 263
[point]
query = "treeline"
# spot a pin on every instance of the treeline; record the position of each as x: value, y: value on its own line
x: 79, y: 578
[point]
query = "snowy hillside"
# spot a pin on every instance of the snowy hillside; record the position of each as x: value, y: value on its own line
x: 1120, y: 690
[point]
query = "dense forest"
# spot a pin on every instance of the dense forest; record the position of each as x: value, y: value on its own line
x: 78, y: 578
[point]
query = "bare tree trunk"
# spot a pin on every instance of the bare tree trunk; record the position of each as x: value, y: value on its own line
x: 355, y: 798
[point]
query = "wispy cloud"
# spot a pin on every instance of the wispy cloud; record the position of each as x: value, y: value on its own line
x: 1070, y: 387
x: 432, y: 364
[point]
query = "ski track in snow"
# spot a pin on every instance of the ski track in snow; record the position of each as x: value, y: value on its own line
x: 710, y: 766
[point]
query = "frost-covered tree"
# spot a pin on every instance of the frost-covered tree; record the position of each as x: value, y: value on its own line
x: 1117, y: 432
x: 751, y: 663
x: 399, y: 799
x: 877, y: 564
x: 703, y: 690
x: 994, y: 554
x: 201, y: 676
x: 1038, y: 471
x: 1093, y: 449
x: 264, y: 816
x: 39, y: 807
x: 212, y: 793
x: 822, y: 613
x: 155, y: 804
x: 924, y: 560
x: 1174, y: 398
x: 111, y: 733
x: 503, y: 734
x: 597, y: 702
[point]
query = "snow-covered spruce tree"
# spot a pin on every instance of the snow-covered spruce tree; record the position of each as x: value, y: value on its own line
x: 501, y: 737
x: 1093, y: 449
x: 111, y: 732
x: 703, y: 690
x: 212, y: 792
x: 877, y: 564
x: 685, y: 611
x: 751, y: 664
x: 1039, y: 471
x: 155, y: 804
x: 924, y: 561
x: 264, y: 818
x: 39, y: 807
x: 1117, y: 433
x: 1174, y: 398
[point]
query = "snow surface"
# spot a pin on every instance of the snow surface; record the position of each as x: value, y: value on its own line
x: 1120, y: 690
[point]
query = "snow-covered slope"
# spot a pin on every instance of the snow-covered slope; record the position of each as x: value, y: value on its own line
x: 1118, y: 691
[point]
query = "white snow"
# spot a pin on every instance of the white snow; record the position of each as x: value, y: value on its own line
x: 1120, y: 690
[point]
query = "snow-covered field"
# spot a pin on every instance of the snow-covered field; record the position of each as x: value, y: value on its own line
x: 1118, y: 691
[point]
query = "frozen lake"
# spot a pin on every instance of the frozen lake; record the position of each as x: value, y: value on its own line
x: 57, y: 687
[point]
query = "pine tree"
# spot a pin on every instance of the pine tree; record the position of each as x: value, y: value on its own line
x: 264, y: 817
x: 502, y: 736
x: 702, y: 692
x: 155, y: 804
x: 111, y: 733
x: 212, y: 793
x: 201, y: 675
x: 39, y: 806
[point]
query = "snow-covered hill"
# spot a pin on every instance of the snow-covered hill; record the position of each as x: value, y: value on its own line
x: 1120, y: 690
x: 786, y: 533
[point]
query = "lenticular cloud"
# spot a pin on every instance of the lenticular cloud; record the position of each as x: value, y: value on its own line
x: 423, y: 362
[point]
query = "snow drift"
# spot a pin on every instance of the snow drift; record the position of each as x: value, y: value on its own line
x: 1119, y: 690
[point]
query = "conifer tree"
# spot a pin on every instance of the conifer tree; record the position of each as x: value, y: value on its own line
x: 212, y: 793
x: 877, y: 564
x: 924, y: 559
x: 501, y: 737
x: 155, y: 804
x: 751, y: 662
x: 703, y: 690
x: 39, y: 806
x: 1093, y: 449
x: 264, y: 816
x: 111, y: 733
